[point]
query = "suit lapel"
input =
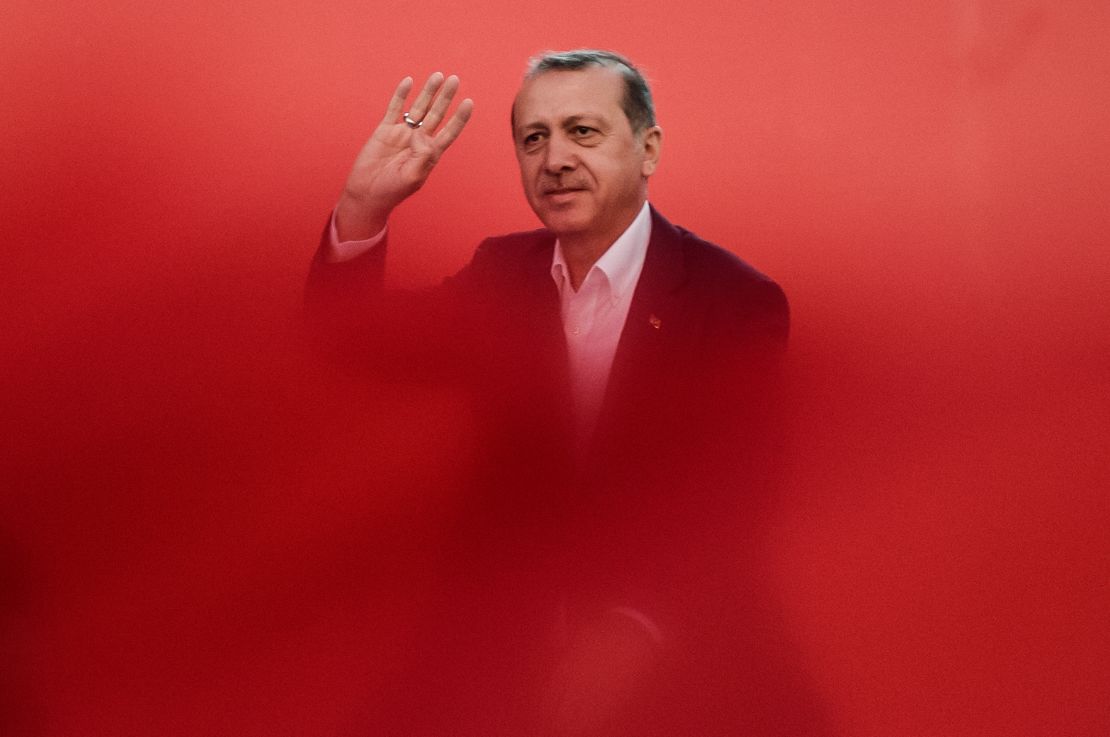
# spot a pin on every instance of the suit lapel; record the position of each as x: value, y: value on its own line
x: 546, y: 317
x: 545, y: 325
x: 651, y: 340
x: 653, y: 331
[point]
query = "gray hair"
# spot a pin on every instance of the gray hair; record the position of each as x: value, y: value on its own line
x: 637, y: 104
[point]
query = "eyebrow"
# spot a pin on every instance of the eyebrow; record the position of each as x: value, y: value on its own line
x: 568, y: 122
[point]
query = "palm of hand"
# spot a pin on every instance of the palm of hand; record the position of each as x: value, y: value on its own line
x: 397, y: 159
x: 393, y: 164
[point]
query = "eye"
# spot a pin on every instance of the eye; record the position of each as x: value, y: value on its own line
x: 584, y: 135
x: 532, y: 141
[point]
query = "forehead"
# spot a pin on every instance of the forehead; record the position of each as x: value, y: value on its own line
x: 561, y: 94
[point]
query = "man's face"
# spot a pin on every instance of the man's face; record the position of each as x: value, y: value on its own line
x: 584, y: 171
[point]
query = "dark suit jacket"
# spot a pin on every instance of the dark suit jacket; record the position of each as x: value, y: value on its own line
x: 704, y: 330
x: 662, y: 509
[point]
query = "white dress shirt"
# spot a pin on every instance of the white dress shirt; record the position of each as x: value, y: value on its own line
x: 594, y: 316
x: 339, y: 251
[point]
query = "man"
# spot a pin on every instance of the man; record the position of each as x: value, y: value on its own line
x: 623, y: 372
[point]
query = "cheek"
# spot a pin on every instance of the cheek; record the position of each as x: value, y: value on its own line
x: 529, y: 170
x: 526, y: 178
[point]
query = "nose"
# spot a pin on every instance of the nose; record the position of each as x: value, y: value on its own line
x: 559, y: 155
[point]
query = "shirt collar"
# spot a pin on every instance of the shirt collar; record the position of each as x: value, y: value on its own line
x: 621, y: 263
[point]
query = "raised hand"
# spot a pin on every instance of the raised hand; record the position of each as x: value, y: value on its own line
x: 398, y: 157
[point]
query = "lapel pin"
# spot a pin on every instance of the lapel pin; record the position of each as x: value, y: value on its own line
x: 655, y: 322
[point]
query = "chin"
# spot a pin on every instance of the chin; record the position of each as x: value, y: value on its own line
x: 561, y: 223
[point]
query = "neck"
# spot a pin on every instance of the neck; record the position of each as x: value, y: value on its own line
x: 582, y: 250
x: 581, y: 254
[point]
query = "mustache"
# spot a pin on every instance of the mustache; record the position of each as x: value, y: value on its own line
x: 562, y: 186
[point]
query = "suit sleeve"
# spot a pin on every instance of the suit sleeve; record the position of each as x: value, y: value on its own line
x: 425, y: 335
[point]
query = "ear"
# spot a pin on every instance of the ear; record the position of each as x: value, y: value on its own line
x: 652, y: 143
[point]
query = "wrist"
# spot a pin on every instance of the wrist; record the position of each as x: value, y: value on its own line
x: 356, y: 220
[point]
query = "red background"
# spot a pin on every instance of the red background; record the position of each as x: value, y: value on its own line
x: 191, y: 506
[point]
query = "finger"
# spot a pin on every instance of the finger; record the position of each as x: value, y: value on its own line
x: 441, y: 103
x: 424, y: 99
x: 397, y: 102
x: 454, y: 126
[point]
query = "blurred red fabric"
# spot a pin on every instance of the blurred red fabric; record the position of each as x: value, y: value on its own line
x: 198, y: 520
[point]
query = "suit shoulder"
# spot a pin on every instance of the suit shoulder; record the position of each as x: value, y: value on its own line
x: 514, y: 245
x: 732, y: 285
x: 710, y: 261
x: 711, y: 265
x: 506, y: 262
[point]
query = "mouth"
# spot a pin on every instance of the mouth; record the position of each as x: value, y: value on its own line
x: 562, y: 194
